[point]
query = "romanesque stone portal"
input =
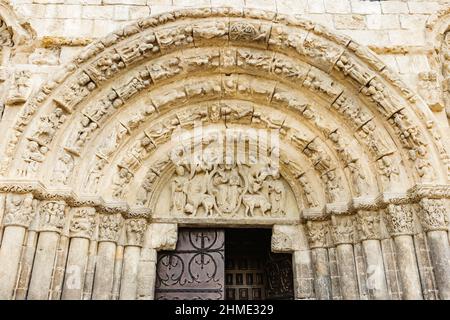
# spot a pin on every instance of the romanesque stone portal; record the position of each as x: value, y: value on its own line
x: 100, y: 164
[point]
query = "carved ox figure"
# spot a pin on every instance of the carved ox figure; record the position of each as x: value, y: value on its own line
x: 205, y: 200
x: 252, y: 201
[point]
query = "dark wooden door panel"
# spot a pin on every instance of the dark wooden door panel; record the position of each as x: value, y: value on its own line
x: 279, y: 276
x: 195, y: 270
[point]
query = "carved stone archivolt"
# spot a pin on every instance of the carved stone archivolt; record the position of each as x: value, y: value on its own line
x: 350, y: 67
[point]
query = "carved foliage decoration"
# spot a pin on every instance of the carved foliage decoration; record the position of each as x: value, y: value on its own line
x: 317, y: 232
x: 19, y: 209
x: 109, y: 227
x: 433, y: 214
x: 399, y: 219
x: 135, y: 229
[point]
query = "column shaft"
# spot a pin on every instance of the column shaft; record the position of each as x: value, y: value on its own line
x: 128, y: 287
x: 376, y: 278
x: 322, y: 281
x: 147, y: 274
x: 10, y: 253
x: 440, y: 256
x: 26, y: 265
x: 104, y: 271
x: 41, y: 276
x: 75, y: 269
x: 118, y: 267
x: 407, y: 265
x: 303, y: 274
x: 347, y: 271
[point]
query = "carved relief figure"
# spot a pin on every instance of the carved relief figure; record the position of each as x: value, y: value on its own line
x: 63, y: 168
x: 19, y: 209
x: 227, y: 189
x: 120, y: 180
x: 18, y: 92
x: 32, y: 156
x: 308, y: 191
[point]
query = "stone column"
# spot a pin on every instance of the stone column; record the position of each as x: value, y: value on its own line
x: 434, y: 219
x: 317, y: 232
x: 401, y: 228
x: 159, y: 236
x: 107, y: 243
x: 118, y: 266
x: 370, y: 235
x: 51, y: 223
x: 343, y: 237
x: 19, y: 211
x: 81, y: 230
x: 134, y: 229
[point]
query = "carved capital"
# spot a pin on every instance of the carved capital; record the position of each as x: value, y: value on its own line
x: 399, y: 219
x: 164, y: 236
x: 135, y: 229
x: 51, y: 215
x: 82, y: 224
x: 317, y: 233
x: 109, y: 227
x: 433, y: 214
x: 368, y: 225
x: 19, y: 209
x: 343, y: 229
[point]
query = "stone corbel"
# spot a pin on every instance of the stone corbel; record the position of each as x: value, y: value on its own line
x: 286, y: 238
x: 163, y: 236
